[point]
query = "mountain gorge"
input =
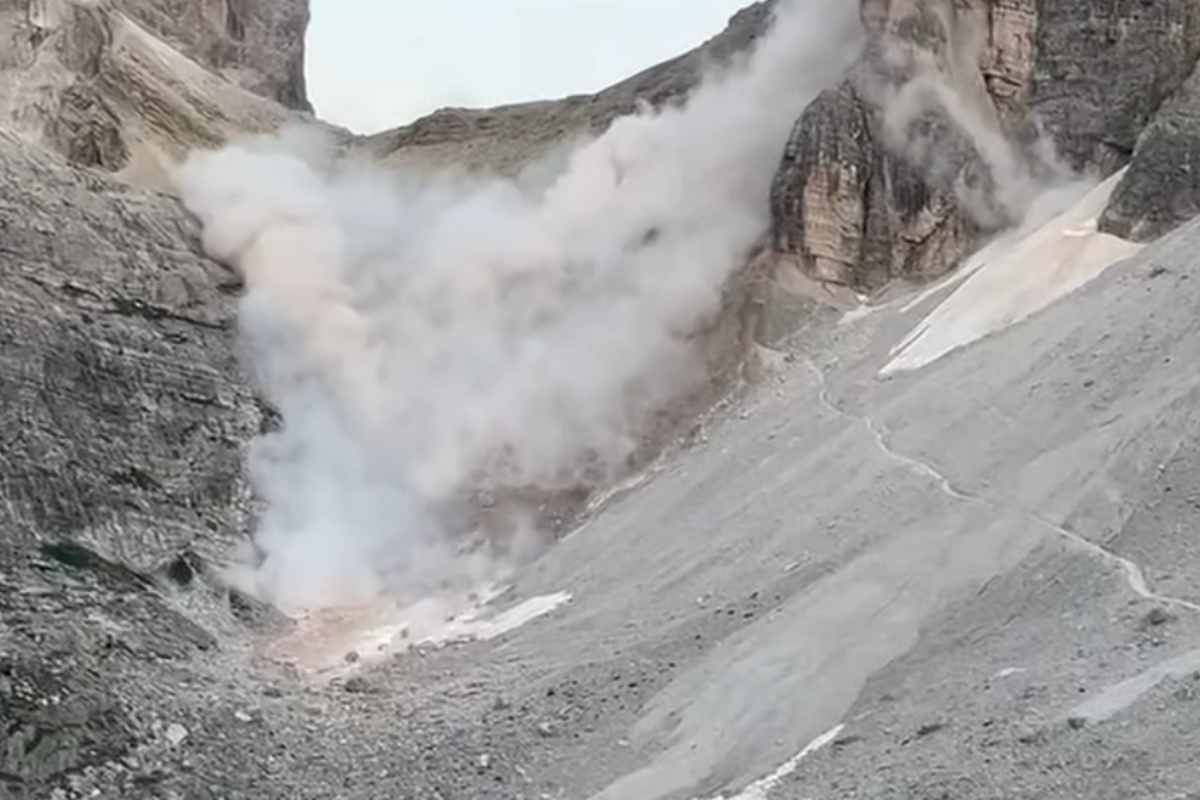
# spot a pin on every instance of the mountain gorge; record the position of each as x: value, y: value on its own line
x: 922, y: 513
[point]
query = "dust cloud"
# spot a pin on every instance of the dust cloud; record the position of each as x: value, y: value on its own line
x: 426, y: 338
x: 937, y: 115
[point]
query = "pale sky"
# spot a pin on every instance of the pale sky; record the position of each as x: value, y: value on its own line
x: 376, y: 64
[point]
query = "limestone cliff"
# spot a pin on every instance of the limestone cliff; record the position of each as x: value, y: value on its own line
x: 508, y: 138
x: 128, y: 85
x: 124, y: 416
x: 899, y: 171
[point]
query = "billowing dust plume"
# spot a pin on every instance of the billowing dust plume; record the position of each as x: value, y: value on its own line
x: 426, y: 338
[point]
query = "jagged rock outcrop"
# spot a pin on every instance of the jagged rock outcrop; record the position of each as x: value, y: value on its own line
x: 932, y: 139
x: 256, y: 44
x: 1101, y: 71
x: 130, y: 86
x: 1162, y: 187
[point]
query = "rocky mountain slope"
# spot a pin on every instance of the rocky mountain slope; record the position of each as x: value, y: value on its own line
x: 898, y: 172
x: 131, y: 86
x: 973, y: 580
x: 510, y: 138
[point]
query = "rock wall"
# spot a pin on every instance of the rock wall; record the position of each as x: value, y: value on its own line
x: 124, y: 411
x: 1162, y: 188
x: 932, y: 140
x: 256, y: 44
x: 131, y: 86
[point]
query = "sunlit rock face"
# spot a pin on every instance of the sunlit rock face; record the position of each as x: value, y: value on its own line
x: 129, y: 86
x: 959, y: 115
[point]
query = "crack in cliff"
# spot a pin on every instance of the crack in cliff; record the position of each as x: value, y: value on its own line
x: 1135, y: 577
x: 121, y: 306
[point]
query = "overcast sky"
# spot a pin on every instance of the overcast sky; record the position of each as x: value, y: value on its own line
x: 375, y: 64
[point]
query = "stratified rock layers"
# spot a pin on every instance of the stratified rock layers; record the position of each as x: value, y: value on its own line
x: 897, y: 172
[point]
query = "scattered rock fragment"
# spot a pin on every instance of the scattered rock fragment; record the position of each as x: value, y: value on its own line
x: 545, y: 730
x: 929, y: 729
x: 1157, y: 617
x: 352, y: 657
x: 176, y: 734
x: 1077, y: 723
x: 357, y: 685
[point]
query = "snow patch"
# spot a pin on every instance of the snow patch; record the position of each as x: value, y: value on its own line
x: 1014, y: 277
x: 759, y: 790
x: 336, y: 641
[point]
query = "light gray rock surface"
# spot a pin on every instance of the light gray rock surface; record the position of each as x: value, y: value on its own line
x: 130, y: 87
x: 939, y: 562
x: 1162, y: 188
x: 256, y: 44
x: 125, y: 413
x: 122, y: 425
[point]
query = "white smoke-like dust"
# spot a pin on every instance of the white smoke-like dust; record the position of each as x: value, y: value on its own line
x: 1017, y: 180
x: 422, y: 338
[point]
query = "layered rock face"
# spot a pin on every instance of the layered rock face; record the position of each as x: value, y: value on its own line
x: 124, y: 412
x: 934, y: 138
x: 130, y: 86
x: 121, y: 435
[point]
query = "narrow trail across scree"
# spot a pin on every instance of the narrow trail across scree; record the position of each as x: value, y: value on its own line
x: 1134, y: 576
